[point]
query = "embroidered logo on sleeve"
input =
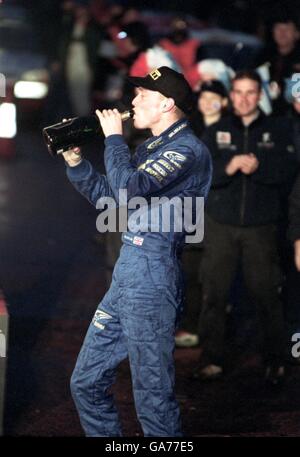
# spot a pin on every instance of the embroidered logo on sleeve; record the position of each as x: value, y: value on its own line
x: 159, y: 169
x: 166, y: 165
x: 175, y: 158
x: 155, y: 143
x: 144, y: 165
x: 100, y: 316
x: 154, y: 173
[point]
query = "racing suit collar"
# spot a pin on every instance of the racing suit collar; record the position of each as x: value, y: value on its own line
x: 155, y: 141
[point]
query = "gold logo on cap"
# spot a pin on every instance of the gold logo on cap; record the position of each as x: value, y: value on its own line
x: 155, y: 74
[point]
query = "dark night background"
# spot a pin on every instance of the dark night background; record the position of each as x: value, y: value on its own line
x: 53, y: 275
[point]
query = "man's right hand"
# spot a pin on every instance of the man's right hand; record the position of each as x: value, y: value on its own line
x: 73, y: 157
x: 246, y: 163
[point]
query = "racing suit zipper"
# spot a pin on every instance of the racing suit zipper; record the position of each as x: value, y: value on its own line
x: 244, y: 177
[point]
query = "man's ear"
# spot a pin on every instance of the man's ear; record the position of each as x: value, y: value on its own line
x: 168, y: 104
x: 224, y: 102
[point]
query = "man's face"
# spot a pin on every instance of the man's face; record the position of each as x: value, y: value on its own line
x: 147, y: 106
x: 210, y: 103
x: 245, y: 95
x: 285, y: 34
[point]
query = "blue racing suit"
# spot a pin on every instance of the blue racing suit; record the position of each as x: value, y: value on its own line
x: 138, y: 314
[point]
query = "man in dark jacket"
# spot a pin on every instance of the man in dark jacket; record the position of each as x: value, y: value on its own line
x: 249, y: 160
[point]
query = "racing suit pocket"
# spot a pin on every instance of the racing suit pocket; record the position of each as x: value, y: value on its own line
x: 140, y: 328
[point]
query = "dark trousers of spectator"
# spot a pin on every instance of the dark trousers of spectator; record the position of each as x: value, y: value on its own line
x: 191, y: 262
x: 292, y: 302
x: 255, y: 248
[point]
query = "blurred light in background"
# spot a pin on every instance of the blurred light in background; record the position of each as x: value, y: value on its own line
x: 122, y: 35
x: 30, y: 89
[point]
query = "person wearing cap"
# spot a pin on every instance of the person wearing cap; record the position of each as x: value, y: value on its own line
x: 212, y: 101
x: 138, y: 314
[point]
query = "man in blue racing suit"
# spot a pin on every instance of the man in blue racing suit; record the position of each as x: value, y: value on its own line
x: 138, y: 314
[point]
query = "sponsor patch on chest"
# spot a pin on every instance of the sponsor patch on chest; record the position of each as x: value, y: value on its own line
x: 223, y: 137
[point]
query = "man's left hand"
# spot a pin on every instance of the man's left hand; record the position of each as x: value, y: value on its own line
x: 110, y: 121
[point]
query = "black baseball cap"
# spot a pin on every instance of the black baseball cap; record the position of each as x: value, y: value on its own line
x: 169, y: 83
x: 214, y: 86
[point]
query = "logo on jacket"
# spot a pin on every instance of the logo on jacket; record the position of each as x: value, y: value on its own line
x: 166, y: 165
x: 155, y: 143
x: 100, y: 316
x: 266, y: 141
x: 138, y: 240
x: 177, y: 129
x: 223, y: 137
x: 154, y: 173
x: 174, y: 157
x: 159, y: 169
x: 144, y: 165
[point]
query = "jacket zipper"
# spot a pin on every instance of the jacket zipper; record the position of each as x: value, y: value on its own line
x: 244, y: 177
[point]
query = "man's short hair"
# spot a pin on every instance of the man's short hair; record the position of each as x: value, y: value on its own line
x: 283, y: 16
x: 247, y: 74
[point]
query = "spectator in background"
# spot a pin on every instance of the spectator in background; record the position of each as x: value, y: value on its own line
x: 283, y: 56
x: 142, y: 56
x: 249, y: 162
x: 78, y: 56
x: 115, y: 54
x: 212, y: 103
x: 58, y: 104
x: 183, y: 48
